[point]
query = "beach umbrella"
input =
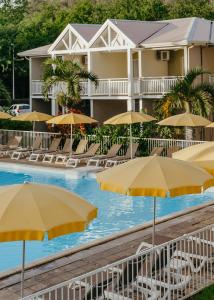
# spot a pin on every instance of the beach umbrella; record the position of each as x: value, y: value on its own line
x: 207, y: 165
x: 71, y: 119
x: 4, y: 116
x: 186, y: 119
x: 155, y: 176
x: 30, y: 211
x: 129, y: 118
x: 198, y: 152
x: 34, y: 117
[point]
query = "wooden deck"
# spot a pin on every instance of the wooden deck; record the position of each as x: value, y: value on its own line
x: 74, y: 263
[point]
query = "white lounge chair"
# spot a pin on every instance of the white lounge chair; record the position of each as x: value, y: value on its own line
x: 34, y: 157
x: 101, y: 159
x: 62, y: 158
x: 49, y: 157
x: 123, y: 158
x: 22, y: 153
x: 77, y: 159
x: 13, y: 144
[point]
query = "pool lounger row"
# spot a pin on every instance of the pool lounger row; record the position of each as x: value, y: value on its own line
x: 152, y: 286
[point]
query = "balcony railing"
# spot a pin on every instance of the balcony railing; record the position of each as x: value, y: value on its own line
x: 173, y: 270
x: 116, y: 86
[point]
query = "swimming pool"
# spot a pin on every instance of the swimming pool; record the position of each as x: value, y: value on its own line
x: 116, y: 212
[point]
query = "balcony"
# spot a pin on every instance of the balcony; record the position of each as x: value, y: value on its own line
x: 114, y: 87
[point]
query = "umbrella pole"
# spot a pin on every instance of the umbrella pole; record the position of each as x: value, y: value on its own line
x: 71, y: 140
x: 33, y: 133
x: 154, y: 217
x: 23, y: 269
x: 130, y: 127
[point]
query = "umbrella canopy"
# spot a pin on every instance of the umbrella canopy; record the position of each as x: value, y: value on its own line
x: 185, y: 119
x: 33, y: 116
x: 199, y: 152
x: 155, y: 176
x: 207, y: 165
x: 71, y: 119
x: 4, y: 116
x: 29, y: 211
x: 130, y: 118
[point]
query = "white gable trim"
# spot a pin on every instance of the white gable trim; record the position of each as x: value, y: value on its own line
x: 68, y: 29
x: 107, y: 24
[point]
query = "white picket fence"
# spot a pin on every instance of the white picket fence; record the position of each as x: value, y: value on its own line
x: 105, y: 141
x: 174, y: 270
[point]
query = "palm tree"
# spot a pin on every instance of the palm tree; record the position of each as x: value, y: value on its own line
x: 67, y: 74
x: 188, y: 95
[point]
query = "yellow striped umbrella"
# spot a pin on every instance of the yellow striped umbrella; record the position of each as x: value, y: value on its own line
x: 4, y: 115
x: 71, y: 119
x: 155, y: 176
x: 29, y: 211
x: 129, y: 117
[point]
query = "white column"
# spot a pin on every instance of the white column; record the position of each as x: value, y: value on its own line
x: 130, y: 72
x: 30, y: 83
x: 186, y: 60
x: 139, y: 63
x: 89, y: 54
x: 130, y: 104
x: 91, y: 108
x: 140, y: 105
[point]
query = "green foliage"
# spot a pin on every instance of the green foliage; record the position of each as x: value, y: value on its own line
x: 189, y: 96
x: 206, y: 294
x: 4, y: 94
x: 15, y: 125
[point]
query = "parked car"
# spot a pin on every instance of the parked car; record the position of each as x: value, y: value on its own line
x: 18, y: 109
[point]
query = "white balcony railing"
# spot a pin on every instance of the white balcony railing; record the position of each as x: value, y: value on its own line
x: 116, y: 86
x: 174, y: 270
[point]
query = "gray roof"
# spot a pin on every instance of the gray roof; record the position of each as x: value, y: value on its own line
x: 87, y: 31
x: 138, y: 31
x: 40, y: 51
x: 146, y: 33
x: 186, y: 30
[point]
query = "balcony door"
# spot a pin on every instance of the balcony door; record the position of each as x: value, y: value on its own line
x: 135, y: 68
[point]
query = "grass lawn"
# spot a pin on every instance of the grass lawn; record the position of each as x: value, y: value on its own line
x: 207, y: 294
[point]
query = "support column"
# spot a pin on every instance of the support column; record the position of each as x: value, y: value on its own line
x: 186, y: 60
x: 139, y: 63
x: 89, y: 54
x: 140, y: 105
x: 30, y: 83
x: 91, y: 108
x: 130, y: 104
x: 130, y: 72
x: 53, y: 106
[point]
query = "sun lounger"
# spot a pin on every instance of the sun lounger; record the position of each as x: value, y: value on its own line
x: 62, y: 158
x: 49, y: 157
x: 101, y: 159
x: 123, y: 158
x: 22, y: 153
x: 171, y: 150
x: 13, y: 144
x: 77, y: 159
x: 34, y: 157
x: 156, y: 151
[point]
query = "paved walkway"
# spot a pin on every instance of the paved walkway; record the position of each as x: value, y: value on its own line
x: 74, y: 264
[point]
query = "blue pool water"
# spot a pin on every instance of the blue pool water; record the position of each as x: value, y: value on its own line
x: 116, y: 212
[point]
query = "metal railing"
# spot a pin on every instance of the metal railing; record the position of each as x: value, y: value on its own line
x: 27, y: 137
x: 158, y: 85
x: 105, y: 141
x: 173, y: 270
x: 116, y: 86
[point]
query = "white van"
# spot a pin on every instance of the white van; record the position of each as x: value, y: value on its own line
x: 18, y: 109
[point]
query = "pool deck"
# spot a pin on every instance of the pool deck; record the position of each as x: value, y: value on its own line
x: 79, y: 260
